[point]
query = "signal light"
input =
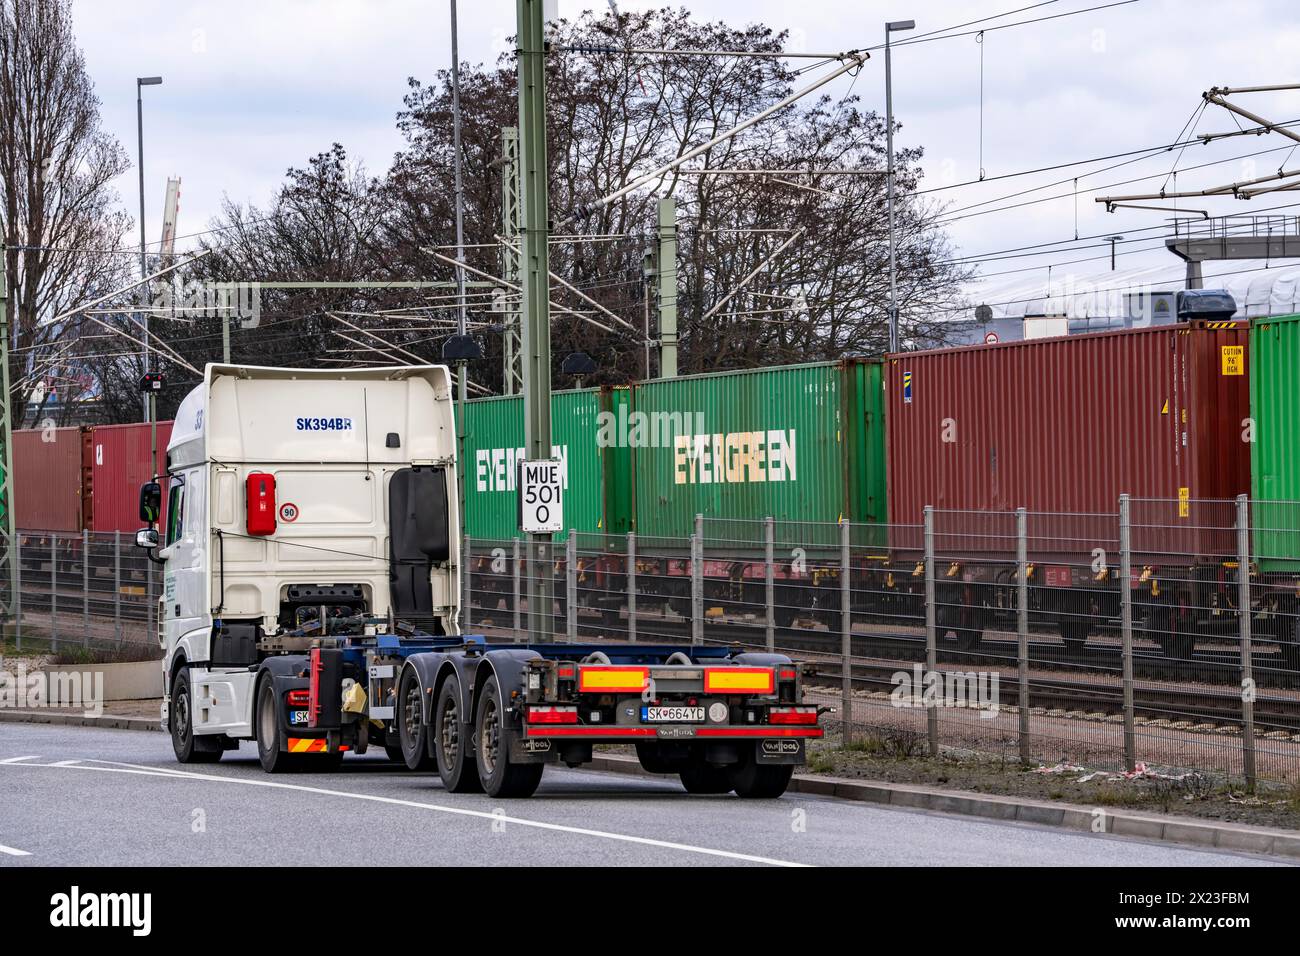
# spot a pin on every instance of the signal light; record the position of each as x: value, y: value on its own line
x: 299, y: 698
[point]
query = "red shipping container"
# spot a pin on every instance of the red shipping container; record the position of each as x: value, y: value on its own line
x: 1067, y: 425
x: 47, y: 480
x: 115, y: 462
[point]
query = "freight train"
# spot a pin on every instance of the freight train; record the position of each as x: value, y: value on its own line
x: 1170, y: 415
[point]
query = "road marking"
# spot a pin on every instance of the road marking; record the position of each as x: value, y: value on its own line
x: 10, y: 851
x: 16, y: 759
x: 117, y: 767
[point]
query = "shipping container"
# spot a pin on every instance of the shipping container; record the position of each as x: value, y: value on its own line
x: 47, y: 480
x: 800, y: 443
x: 116, y: 460
x: 596, y: 487
x: 1067, y: 425
x: 1275, y: 451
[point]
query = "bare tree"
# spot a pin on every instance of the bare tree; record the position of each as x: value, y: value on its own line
x: 60, y: 215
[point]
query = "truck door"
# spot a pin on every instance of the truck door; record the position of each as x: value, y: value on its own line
x: 184, y: 605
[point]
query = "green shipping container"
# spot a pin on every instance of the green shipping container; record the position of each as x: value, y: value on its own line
x: 799, y: 443
x: 595, y: 477
x: 1275, y: 451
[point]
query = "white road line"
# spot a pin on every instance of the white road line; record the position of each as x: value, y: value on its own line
x: 17, y: 759
x: 10, y: 851
x: 394, y: 801
x: 65, y: 763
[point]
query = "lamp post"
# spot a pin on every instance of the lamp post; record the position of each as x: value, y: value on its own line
x: 895, y: 26
x: 148, y: 399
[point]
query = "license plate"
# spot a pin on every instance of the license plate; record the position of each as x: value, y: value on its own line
x: 297, y: 717
x: 672, y: 715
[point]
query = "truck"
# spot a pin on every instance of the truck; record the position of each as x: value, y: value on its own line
x: 310, y: 606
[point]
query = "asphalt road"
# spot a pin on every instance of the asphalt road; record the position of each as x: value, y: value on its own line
x: 88, y: 797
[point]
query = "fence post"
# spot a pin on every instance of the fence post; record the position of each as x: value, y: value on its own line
x: 631, y: 586
x: 465, y: 561
x: 117, y: 585
x: 16, y: 599
x: 54, y: 593
x: 769, y: 564
x: 571, y: 587
x: 846, y: 630
x: 1126, y: 627
x: 1022, y: 629
x: 1247, y: 664
x: 514, y: 581
x: 85, y: 588
x: 931, y: 633
x: 697, y: 582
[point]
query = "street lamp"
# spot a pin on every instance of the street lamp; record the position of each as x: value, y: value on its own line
x: 147, y: 398
x: 896, y: 26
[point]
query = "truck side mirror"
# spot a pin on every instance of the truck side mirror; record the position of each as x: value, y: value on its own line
x: 150, y: 502
x: 146, y: 538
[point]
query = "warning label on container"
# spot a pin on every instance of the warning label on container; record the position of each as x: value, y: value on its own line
x: 1234, y: 359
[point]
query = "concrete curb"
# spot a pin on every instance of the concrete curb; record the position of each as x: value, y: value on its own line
x: 79, y: 720
x: 1167, y: 829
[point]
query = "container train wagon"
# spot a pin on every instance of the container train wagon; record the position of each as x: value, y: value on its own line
x: 1061, y: 427
x: 70, y: 480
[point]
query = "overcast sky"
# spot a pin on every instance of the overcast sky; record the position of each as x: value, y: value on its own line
x: 252, y: 87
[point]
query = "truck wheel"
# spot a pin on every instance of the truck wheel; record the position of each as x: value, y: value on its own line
x: 700, y: 777
x: 755, y: 781
x: 188, y: 748
x: 394, y: 752
x: 412, y: 732
x: 450, y: 748
x: 273, y: 759
x: 499, y: 776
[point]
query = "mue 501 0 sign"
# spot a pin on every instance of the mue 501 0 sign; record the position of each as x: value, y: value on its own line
x: 541, y: 510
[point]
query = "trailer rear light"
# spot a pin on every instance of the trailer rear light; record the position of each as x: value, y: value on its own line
x: 565, y: 673
x: 299, y: 698
x: 552, y: 715
x: 789, y: 674
x: 792, y: 715
x: 612, y: 680
x: 739, y: 680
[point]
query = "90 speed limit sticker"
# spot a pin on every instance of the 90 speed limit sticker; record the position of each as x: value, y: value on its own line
x: 289, y: 512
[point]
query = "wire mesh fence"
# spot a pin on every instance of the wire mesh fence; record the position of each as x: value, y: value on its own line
x: 89, y: 590
x: 1166, y: 633
x: 1105, y: 640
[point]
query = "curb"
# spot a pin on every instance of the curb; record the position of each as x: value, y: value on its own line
x: 1069, y: 816
x: 1166, y: 829
x: 79, y: 720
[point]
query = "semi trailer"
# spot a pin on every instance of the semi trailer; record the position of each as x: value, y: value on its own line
x: 311, y: 552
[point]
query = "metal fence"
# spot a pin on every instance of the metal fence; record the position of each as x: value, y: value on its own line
x: 1103, y: 640
x: 1112, y: 641
x: 87, y: 590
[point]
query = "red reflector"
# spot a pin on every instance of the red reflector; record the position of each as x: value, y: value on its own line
x: 788, y: 675
x: 552, y: 715
x: 566, y: 673
x: 299, y: 698
x: 792, y: 715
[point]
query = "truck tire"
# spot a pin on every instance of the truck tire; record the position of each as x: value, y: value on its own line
x: 188, y: 748
x: 266, y: 726
x: 412, y: 732
x: 700, y: 777
x: 500, y: 777
x: 652, y: 759
x: 452, y: 752
x: 759, y: 781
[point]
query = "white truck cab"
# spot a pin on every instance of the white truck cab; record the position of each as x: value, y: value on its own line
x: 296, y: 499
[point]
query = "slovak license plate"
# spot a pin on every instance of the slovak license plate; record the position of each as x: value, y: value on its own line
x: 672, y: 715
x: 297, y: 717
